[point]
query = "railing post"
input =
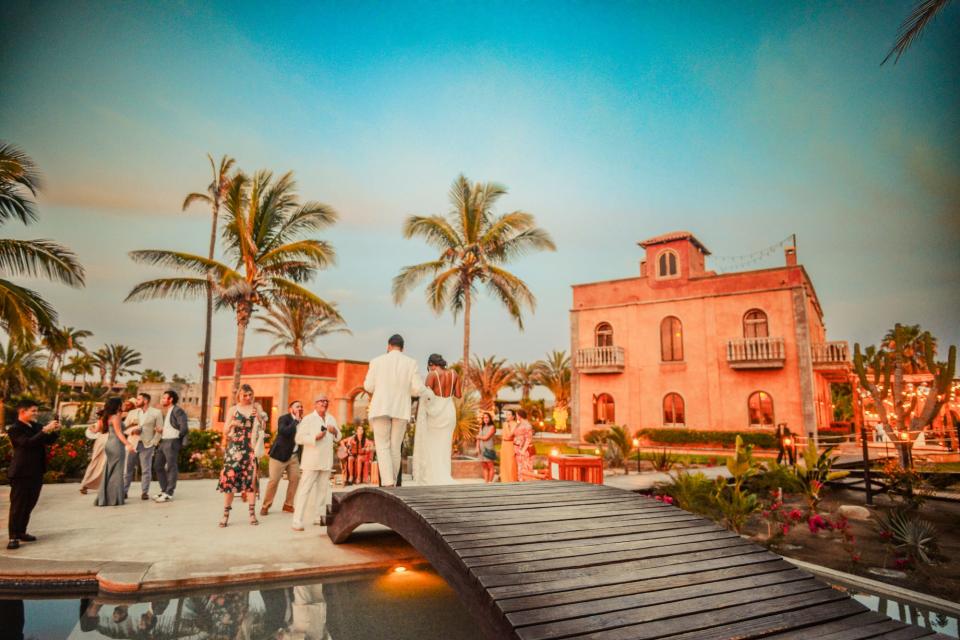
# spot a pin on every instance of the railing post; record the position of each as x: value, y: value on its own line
x: 866, y: 465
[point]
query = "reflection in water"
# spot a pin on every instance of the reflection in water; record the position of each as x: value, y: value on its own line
x: 415, y: 604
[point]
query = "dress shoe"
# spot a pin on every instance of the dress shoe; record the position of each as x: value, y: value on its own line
x: 26, y: 537
x: 264, y: 511
x: 288, y: 508
x: 295, y: 528
x: 144, y: 496
x: 13, y: 544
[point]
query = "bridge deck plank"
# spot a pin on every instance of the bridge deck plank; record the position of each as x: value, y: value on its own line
x: 551, y: 560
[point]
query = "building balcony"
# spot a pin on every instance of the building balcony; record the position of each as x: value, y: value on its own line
x: 756, y: 353
x: 601, y: 360
x: 832, y: 360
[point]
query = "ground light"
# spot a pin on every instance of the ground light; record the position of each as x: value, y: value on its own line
x: 399, y: 569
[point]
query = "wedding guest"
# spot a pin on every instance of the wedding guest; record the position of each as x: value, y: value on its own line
x: 485, y: 446
x: 240, y: 437
x: 144, y: 425
x: 360, y: 455
x: 115, y: 451
x: 284, y: 457
x: 508, y: 458
x: 27, y: 466
x: 317, y: 432
x: 523, y: 447
x: 94, y: 473
x: 172, y: 438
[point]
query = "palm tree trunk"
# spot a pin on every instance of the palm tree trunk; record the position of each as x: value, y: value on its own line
x: 466, y: 338
x: 205, y: 365
x: 243, y: 319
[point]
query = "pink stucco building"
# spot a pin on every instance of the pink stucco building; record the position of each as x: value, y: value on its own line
x: 681, y: 346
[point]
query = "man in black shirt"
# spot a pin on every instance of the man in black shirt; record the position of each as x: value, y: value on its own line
x: 283, y: 456
x: 27, y: 467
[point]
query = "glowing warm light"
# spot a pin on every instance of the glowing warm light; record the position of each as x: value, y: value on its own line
x: 554, y: 452
x: 597, y: 451
x: 400, y: 569
x: 636, y: 442
x: 787, y: 442
x: 904, y: 436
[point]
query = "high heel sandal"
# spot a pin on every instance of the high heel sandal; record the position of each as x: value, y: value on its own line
x: 253, y: 514
x: 226, y: 517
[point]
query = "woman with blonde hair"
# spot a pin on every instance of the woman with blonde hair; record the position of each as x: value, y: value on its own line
x: 242, y: 435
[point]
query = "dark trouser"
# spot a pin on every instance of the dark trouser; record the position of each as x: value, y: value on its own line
x: 24, y: 493
x: 167, y: 470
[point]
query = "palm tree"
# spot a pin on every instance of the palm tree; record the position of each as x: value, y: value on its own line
x: 296, y: 327
x: 80, y: 364
x: 555, y: 375
x: 152, y: 375
x: 216, y: 192
x: 914, y: 343
x: 525, y: 377
x: 268, y: 259
x: 488, y: 376
x: 100, y: 359
x: 59, y: 342
x: 913, y: 26
x: 474, y: 245
x: 21, y: 369
x: 467, y: 425
x: 23, y: 311
x: 120, y: 360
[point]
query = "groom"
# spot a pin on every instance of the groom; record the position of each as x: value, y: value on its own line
x: 391, y: 379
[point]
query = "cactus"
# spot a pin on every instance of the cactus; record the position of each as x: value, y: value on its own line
x: 881, y: 374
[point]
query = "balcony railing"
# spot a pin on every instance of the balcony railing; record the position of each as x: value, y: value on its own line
x: 601, y: 360
x: 756, y: 353
x: 829, y: 353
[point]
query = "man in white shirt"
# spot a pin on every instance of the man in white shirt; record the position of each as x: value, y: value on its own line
x: 143, y: 428
x: 172, y: 438
x: 392, y: 379
x: 317, y: 433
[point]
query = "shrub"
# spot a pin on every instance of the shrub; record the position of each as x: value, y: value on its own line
x: 762, y: 440
x: 774, y: 476
x: 692, y: 492
x: 663, y: 460
x: 198, y: 441
x: 909, y: 535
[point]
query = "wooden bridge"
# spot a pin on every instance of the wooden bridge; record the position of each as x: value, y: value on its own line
x: 571, y: 560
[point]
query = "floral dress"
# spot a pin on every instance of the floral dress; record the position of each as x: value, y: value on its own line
x: 239, y: 474
x: 522, y: 439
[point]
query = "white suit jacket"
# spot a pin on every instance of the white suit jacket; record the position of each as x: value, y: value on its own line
x: 392, y: 379
x: 317, y: 454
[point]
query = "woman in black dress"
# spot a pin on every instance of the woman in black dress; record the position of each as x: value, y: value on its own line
x: 244, y: 429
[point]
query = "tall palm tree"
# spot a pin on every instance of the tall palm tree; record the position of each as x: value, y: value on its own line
x: 488, y: 376
x: 80, y: 364
x: 214, y: 196
x: 267, y: 257
x: 913, y: 26
x: 555, y: 375
x: 120, y: 360
x: 525, y: 377
x: 297, y: 328
x: 152, y: 375
x: 23, y: 312
x: 100, y: 359
x: 474, y: 246
x: 59, y: 342
x: 21, y: 370
x: 914, y: 343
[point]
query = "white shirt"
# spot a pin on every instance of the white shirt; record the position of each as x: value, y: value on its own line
x: 169, y: 431
x: 317, y: 454
x: 392, y: 379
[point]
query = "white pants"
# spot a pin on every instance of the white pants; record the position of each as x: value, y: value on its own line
x: 314, y: 490
x: 388, y: 437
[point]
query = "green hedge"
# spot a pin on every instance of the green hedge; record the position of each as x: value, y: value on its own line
x: 762, y: 440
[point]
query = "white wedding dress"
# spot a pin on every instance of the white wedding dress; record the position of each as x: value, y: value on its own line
x: 433, y: 440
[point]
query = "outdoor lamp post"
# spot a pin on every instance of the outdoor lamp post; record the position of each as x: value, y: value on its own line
x: 636, y: 445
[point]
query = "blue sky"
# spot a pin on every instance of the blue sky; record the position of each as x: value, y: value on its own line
x: 611, y: 122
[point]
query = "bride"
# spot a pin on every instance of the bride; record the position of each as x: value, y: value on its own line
x: 436, y: 419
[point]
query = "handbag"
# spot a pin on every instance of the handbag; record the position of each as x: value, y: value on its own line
x: 531, y: 449
x: 342, y: 451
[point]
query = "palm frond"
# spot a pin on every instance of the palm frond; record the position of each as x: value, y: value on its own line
x: 511, y: 291
x: 527, y: 241
x: 914, y: 25
x: 290, y: 292
x: 410, y: 277
x: 196, y: 197
x: 435, y: 230
x: 24, y: 312
x: 19, y: 183
x: 40, y: 258
x: 181, y: 288
x: 319, y: 254
x: 443, y: 289
x: 311, y: 216
x: 179, y: 260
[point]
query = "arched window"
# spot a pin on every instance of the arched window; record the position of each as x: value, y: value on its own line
x: 603, y: 335
x: 760, y: 409
x: 603, y: 409
x: 673, y: 413
x: 671, y: 339
x: 667, y: 264
x: 755, y: 324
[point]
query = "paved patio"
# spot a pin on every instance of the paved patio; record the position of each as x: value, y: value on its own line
x: 143, y: 546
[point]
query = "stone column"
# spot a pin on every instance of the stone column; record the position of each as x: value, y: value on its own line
x: 574, y: 408
x: 804, y: 362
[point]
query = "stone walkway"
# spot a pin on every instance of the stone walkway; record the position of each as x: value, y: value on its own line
x: 647, y: 479
x: 143, y: 546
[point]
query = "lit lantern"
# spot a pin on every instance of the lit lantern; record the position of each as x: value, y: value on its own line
x: 554, y: 452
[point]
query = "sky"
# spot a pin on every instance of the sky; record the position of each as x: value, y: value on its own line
x: 611, y: 122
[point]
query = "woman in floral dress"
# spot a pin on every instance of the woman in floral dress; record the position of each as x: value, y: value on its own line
x: 241, y: 435
x: 523, y: 443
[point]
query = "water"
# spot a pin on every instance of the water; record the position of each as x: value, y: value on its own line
x: 415, y: 604
x: 908, y: 612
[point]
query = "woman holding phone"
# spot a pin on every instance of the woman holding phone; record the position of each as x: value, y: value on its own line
x: 242, y: 434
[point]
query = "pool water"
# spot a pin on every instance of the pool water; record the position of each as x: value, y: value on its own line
x: 910, y: 613
x: 416, y: 604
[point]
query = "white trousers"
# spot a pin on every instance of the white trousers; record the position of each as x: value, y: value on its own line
x: 388, y: 437
x: 313, y: 493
